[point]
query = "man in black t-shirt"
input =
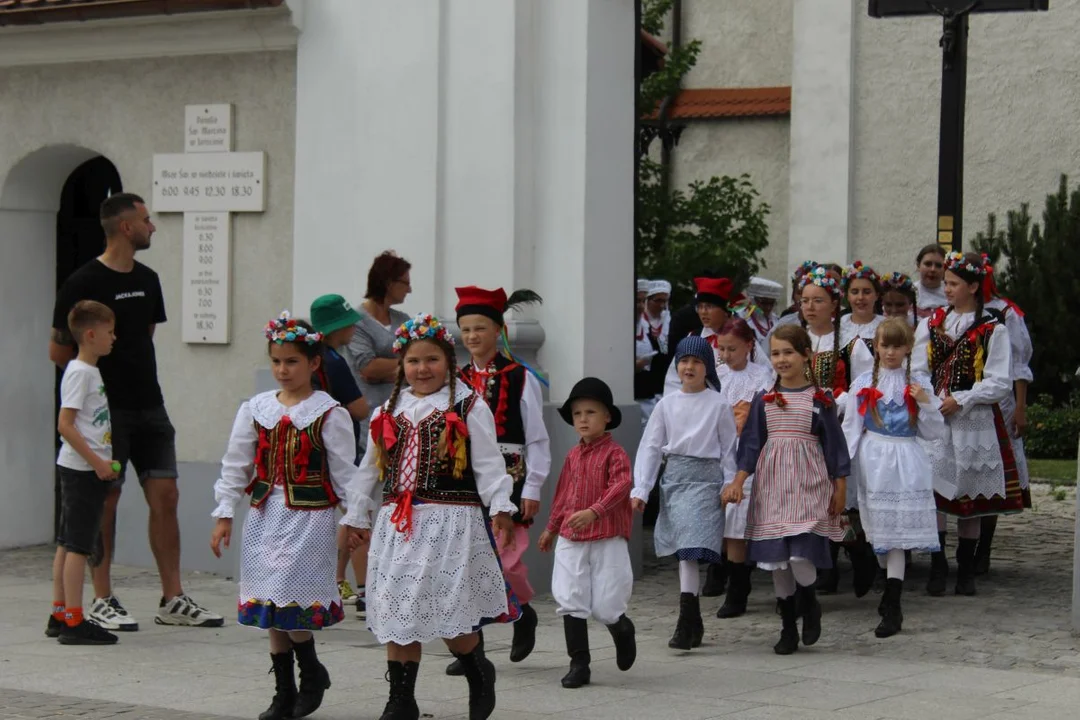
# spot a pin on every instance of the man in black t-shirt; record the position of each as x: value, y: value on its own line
x: 141, y: 431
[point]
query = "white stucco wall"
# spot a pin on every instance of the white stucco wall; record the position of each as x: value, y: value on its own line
x: 1022, y: 105
x: 757, y: 146
x: 127, y: 112
x: 744, y: 43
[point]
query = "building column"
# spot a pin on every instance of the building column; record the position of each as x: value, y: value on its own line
x: 821, y: 131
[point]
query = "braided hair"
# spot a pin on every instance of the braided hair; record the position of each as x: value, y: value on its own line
x: 741, y: 329
x: 799, y: 340
x: 894, y: 332
x: 828, y: 280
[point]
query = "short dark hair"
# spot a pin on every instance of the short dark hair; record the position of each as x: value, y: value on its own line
x: 931, y: 249
x: 114, y: 206
x: 385, y: 269
x: 86, y: 315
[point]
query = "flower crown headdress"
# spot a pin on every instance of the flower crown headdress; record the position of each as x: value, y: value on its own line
x: 424, y: 326
x: 858, y: 271
x: 800, y: 271
x: 897, y: 281
x: 958, y: 262
x: 285, y: 329
x: 824, y: 279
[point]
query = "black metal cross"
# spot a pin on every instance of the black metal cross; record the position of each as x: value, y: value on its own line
x: 953, y: 94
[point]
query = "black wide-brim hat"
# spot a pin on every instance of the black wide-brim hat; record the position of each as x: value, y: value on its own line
x: 591, y: 388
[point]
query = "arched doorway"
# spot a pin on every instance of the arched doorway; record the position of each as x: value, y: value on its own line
x: 45, y: 232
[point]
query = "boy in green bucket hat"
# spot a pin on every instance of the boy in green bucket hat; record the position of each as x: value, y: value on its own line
x: 332, y: 316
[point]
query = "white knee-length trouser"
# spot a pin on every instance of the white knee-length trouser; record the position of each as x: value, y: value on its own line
x: 592, y: 579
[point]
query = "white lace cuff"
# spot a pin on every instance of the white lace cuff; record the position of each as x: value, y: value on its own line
x: 358, y: 515
x: 223, y: 510
x: 501, y: 504
x: 639, y: 494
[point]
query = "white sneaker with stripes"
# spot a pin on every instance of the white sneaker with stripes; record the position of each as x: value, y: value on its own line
x: 111, y: 615
x: 182, y: 610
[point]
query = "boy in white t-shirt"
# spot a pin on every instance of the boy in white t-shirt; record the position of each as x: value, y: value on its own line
x: 86, y: 472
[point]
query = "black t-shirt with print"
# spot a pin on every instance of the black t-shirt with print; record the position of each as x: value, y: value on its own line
x: 130, y: 370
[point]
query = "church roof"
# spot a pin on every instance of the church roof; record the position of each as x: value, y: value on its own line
x: 713, y: 103
x: 37, y: 12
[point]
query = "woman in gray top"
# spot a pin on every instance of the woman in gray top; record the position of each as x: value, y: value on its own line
x: 371, y: 354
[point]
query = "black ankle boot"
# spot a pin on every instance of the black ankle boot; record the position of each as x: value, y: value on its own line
x: 689, y: 628
x: 281, y: 707
x: 789, y: 631
x: 624, y: 635
x: 738, y: 592
x: 524, y: 634
x: 576, y: 631
x: 939, y: 570
x: 965, y: 566
x: 892, y: 618
x: 402, y: 703
x: 811, y: 614
x: 829, y: 580
x: 480, y: 673
x: 716, y: 577
x: 314, y: 679
x: 986, y: 540
x: 864, y: 567
x: 455, y: 668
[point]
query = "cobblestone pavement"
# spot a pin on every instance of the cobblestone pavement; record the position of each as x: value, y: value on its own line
x: 1007, y: 653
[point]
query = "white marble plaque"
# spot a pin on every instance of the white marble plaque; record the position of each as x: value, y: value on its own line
x: 209, y: 182
x: 208, y: 128
x: 207, y: 265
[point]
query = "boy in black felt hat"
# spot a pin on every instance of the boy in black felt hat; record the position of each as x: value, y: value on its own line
x: 591, y: 516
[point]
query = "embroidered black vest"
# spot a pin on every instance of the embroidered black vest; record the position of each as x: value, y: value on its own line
x: 822, y: 364
x: 958, y: 364
x: 297, y: 459
x: 435, y: 481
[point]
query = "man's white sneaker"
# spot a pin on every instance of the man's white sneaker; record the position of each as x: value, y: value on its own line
x: 111, y: 615
x: 182, y: 610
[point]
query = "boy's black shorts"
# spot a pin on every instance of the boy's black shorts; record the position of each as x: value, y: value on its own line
x: 82, y: 500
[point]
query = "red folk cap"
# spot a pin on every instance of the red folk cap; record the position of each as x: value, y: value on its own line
x: 714, y: 289
x: 473, y: 300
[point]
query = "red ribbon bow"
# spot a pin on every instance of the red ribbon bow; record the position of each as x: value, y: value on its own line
x: 401, y: 518
x: 775, y: 397
x: 455, y: 428
x: 383, y: 426
x: 824, y: 398
x: 713, y: 340
x: 868, y: 399
x: 910, y: 401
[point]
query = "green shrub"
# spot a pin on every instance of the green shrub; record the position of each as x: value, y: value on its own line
x: 1052, y: 431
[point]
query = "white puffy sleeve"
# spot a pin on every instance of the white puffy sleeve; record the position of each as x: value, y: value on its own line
x: 1020, y: 342
x: 932, y: 424
x: 852, y: 424
x: 996, y: 383
x: 339, y: 443
x: 920, y: 361
x: 537, y: 442
x: 728, y: 437
x: 366, y: 478
x: 237, y: 464
x: 492, y: 481
x: 650, y: 451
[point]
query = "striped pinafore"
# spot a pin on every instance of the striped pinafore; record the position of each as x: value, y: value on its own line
x: 792, y: 488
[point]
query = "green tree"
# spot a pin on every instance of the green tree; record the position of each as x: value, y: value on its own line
x: 1037, y: 266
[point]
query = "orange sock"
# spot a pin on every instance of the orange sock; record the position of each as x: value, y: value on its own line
x: 58, y: 610
x: 73, y: 616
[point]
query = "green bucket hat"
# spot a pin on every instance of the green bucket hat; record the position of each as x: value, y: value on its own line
x: 332, y: 312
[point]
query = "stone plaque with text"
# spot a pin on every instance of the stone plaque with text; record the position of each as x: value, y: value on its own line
x: 205, y: 282
x: 209, y: 182
x: 208, y: 128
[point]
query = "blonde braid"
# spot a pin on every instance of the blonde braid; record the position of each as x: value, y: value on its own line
x: 380, y: 450
x: 873, y: 384
x: 836, y: 346
x: 913, y: 417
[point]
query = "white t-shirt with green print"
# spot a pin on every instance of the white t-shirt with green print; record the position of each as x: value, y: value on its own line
x: 82, y: 389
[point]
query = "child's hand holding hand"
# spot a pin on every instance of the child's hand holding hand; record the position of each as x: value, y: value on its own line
x: 839, y: 496
x: 638, y: 504
x: 222, y: 531
x: 354, y: 538
x: 582, y: 519
x: 732, y: 494
x: 547, y: 539
x: 529, y: 508
x: 949, y: 406
x: 503, y: 527
x: 919, y: 393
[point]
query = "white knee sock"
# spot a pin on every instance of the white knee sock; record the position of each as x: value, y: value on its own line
x: 896, y: 563
x: 689, y: 579
x: 783, y: 582
x: 804, y: 571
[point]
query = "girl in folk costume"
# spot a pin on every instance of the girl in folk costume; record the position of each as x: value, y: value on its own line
x: 512, y: 393
x: 887, y: 409
x: 862, y: 286
x: 791, y: 313
x: 693, y: 433
x: 434, y: 572
x: 759, y: 311
x: 929, y: 288
x: 793, y: 446
x: 967, y: 354
x: 292, y: 451
x: 740, y: 380
x: 1013, y: 407
x: 656, y: 318
x: 712, y: 302
x: 898, y: 297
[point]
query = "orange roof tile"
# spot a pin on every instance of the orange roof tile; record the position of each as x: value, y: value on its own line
x: 36, y: 12
x: 711, y: 103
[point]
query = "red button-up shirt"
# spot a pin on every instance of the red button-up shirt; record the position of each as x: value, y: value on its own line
x: 596, y: 476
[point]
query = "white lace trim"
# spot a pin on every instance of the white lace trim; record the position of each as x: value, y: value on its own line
x: 850, y: 329
x: 891, y: 383
x: 268, y: 411
x: 437, y: 401
x: 741, y: 385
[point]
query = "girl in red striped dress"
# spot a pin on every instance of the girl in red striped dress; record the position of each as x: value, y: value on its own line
x: 794, y: 447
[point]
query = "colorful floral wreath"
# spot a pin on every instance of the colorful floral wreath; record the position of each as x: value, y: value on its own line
x: 858, y: 271
x: 824, y: 279
x: 958, y: 262
x: 800, y: 271
x: 285, y: 329
x: 424, y: 326
x: 897, y: 281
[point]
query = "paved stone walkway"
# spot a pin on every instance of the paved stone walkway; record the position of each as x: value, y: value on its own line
x: 1007, y: 653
